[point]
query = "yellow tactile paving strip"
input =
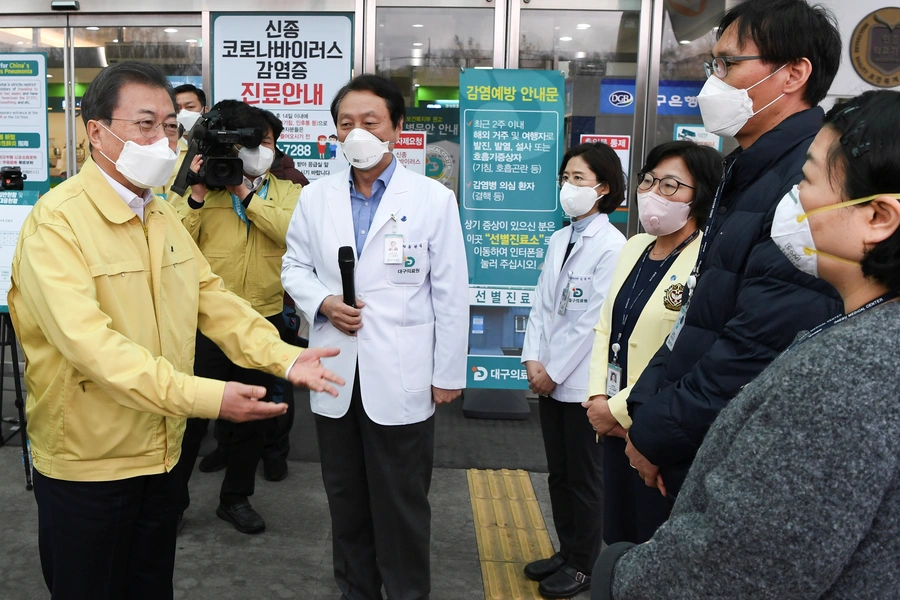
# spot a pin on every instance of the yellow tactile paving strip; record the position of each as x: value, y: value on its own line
x: 510, y: 531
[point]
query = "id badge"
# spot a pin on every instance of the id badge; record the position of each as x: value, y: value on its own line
x: 679, y: 323
x: 564, y: 301
x: 393, y: 249
x: 613, y: 379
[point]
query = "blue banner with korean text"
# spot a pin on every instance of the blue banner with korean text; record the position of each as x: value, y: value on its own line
x: 617, y: 97
x: 511, y: 138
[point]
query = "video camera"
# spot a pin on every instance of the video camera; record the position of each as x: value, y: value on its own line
x: 12, y: 178
x: 214, y: 142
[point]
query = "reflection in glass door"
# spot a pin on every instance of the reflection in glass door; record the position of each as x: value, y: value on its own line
x: 597, y: 45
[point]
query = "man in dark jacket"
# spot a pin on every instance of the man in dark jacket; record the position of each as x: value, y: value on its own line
x: 748, y: 301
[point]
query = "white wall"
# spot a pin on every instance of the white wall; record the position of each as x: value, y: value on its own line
x: 849, y: 13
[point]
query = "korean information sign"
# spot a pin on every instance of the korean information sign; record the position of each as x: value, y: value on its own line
x: 511, y: 139
x: 23, y: 117
x: 410, y: 151
x: 14, y: 207
x: 293, y: 65
x: 442, y: 150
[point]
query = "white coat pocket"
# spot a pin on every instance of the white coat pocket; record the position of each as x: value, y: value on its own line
x: 414, y: 268
x: 580, y: 288
x: 416, y: 348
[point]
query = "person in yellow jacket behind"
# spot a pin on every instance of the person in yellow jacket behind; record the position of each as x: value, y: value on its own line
x: 241, y: 230
x: 108, y: 291
x: 674, y: 194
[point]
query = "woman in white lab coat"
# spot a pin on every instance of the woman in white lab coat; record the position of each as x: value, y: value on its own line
x: 574, y: 280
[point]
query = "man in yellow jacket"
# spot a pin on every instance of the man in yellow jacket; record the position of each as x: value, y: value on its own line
x: 108, y: 291
x: 241, y: 231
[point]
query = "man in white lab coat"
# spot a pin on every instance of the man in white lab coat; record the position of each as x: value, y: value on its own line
x: 403, y: 346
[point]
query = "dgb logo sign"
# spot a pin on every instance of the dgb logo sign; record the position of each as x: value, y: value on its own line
x: 621, y: 98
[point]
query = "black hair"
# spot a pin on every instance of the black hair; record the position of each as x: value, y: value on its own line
x: 187, y: 88
x: 102, y: 96
x: 788, y: 30
x: 604, y: 163
x: 705, y: 165
x: 274, y: 122
x: 381, y: 87
x: 868, y: 156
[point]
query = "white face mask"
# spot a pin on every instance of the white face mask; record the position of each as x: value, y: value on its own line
x: 256, y: 160
x: 187, y: 119
x: 792, y: 235
x: 363, y: 149
x: 577, y: 201
x: 726, y: 109
x: 144, y: 166
x: 660, y: 216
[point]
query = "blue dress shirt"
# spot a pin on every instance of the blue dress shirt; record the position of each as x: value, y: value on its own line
x: 364, y: 208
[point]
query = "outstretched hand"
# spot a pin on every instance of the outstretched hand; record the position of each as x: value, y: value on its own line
x: 309, y: 372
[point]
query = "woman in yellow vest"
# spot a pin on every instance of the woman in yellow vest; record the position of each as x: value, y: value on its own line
x: 674, y: 194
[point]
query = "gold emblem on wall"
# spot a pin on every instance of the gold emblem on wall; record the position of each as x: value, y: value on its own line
x: 875, y: 48
x: 674, y: 294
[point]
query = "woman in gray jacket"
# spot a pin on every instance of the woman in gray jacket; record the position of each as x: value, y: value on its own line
x: 795, y: 492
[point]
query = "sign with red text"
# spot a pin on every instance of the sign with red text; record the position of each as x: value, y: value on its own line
x: 621, y: 144
x: 410, y: 151
x: 292, y: 64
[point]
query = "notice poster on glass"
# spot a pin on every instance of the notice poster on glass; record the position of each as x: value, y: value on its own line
x: 14, y: 207
x: 23, y: 118
x: 410, y: 151
x: 293, y: 65
x: 511, y: 142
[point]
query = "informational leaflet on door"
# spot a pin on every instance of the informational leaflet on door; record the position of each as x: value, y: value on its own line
x: 511, y: 144
x: 23, y: 117
x: 293, y: 65
x: 14, y: 207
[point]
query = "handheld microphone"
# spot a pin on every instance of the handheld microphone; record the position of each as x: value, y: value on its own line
x: 347, y: 263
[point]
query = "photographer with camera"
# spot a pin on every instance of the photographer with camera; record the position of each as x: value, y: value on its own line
x: 191, y: 102
x: 238, y: 214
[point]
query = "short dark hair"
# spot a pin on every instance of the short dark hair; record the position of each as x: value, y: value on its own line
x: 188, y: 88
x: 867, y: 155
x: 274, y: 122
x: 102, y: 96
x: 381, y: 87
x: 705, y: 165
x: 788, y: 30
x: 604, y: 163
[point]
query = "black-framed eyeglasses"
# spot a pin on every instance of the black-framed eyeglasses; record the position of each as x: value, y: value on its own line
x: 576, y: 180
x: 667, y: 185
x: 719, y: 64
x: 148, y: 127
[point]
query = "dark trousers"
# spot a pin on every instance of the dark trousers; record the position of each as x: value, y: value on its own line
x: 246, y: 439
x: 107, y: 540
x: 574, y: 460
x: 632, y: 512
x: 377, y: 479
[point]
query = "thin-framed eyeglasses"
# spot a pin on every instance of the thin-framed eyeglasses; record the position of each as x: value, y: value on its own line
x: 576, y: 180
x: 148, y: 127
x: 719, y: 64
x: 667, y: 185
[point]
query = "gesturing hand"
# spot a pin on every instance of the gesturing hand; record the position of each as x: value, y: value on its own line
x: 240, y: 402
x: 346, y: 318
x: 309, y: 372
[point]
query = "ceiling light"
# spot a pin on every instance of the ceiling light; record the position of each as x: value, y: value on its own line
x: 19, y: 43
x: 170, y: 30
x: 685, y: 42
x: 565, y: 38
x: 92, y: 28
x: 417, y: 43
x: 191, y: 41
x: 418, y: 25
x: 416, y: 84
x: 49, y: 76
x: 115, y: 41
x: 583, y: 26
x: 580, y: 54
